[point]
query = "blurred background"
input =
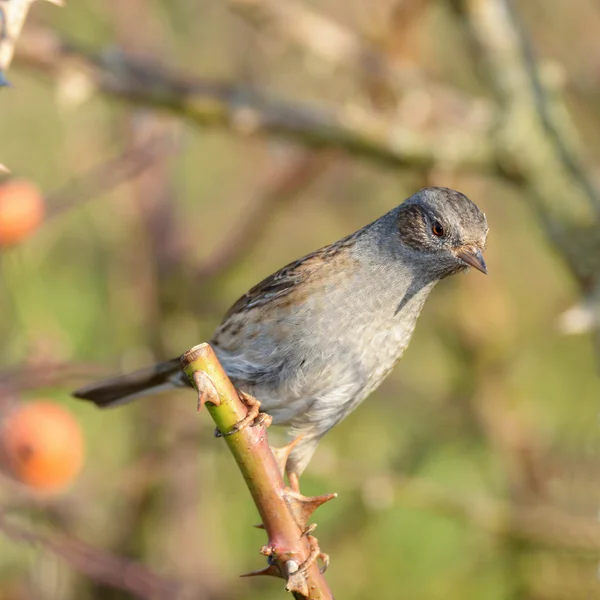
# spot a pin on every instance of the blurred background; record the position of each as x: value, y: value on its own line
x: 180, y: 152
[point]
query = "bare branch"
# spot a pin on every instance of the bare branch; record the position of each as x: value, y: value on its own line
x: 246, y: 110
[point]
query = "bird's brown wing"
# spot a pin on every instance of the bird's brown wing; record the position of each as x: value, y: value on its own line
x: 290, y: 278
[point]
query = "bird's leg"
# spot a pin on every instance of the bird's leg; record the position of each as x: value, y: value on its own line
x: 294, y: 480
x: 253, y: 417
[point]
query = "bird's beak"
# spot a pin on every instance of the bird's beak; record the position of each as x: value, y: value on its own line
x: 473, y: 257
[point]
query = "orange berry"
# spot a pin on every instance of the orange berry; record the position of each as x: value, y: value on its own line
x: 22, y: 210
x: 41, y: 445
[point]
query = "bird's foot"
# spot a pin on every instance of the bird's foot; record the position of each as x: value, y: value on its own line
x: 315, y: 553
x: 253, y: 418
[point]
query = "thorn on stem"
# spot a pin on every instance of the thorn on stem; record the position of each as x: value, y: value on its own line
x: 207, y: 392
x: 282, y: 454
x: 270, y: 570
x: 302, y: 507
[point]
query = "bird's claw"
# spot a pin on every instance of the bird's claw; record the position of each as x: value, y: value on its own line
x: 315, y: 553
x: 253, y: 418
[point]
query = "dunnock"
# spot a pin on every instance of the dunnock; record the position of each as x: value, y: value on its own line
x: 314, y: 339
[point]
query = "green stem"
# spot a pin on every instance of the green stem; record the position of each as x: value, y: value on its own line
x: 287, y: 547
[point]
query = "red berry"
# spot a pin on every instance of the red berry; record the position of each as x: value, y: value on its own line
x: 41, y: 445
x: 22, y: 210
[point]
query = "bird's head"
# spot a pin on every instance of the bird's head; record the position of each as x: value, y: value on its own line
x: 443, y: 230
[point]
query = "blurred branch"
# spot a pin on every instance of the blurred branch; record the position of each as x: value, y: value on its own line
x: 538, y: 524
x: 340, y: 47
x: 245, y: 110
x: 107, y: 175
x: 522, y: 147
x: 534, y: 136
x: 326, y: 39
x: 291, y: 551
x: 47, y: 374
x: 285, y: 185
x: 108, y: 569
x: 317, y: 34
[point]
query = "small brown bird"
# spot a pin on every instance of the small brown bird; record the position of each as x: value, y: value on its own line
x: 314, y: 339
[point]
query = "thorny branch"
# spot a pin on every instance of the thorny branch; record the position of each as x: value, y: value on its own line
x: 291, y: 550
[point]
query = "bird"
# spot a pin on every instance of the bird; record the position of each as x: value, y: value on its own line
x: 314, y: 339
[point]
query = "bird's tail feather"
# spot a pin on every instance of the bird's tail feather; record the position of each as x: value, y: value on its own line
x: 125, y: 388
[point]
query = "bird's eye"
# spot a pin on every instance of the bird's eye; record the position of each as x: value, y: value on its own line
x: 437, y: 229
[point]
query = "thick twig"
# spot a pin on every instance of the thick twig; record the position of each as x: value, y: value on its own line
x: 283, y: 512
x: 246, y: 110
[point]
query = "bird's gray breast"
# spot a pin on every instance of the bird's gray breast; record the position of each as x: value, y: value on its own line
x: 318, y: 362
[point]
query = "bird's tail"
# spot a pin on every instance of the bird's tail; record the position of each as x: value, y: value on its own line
x: 125, y: 388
